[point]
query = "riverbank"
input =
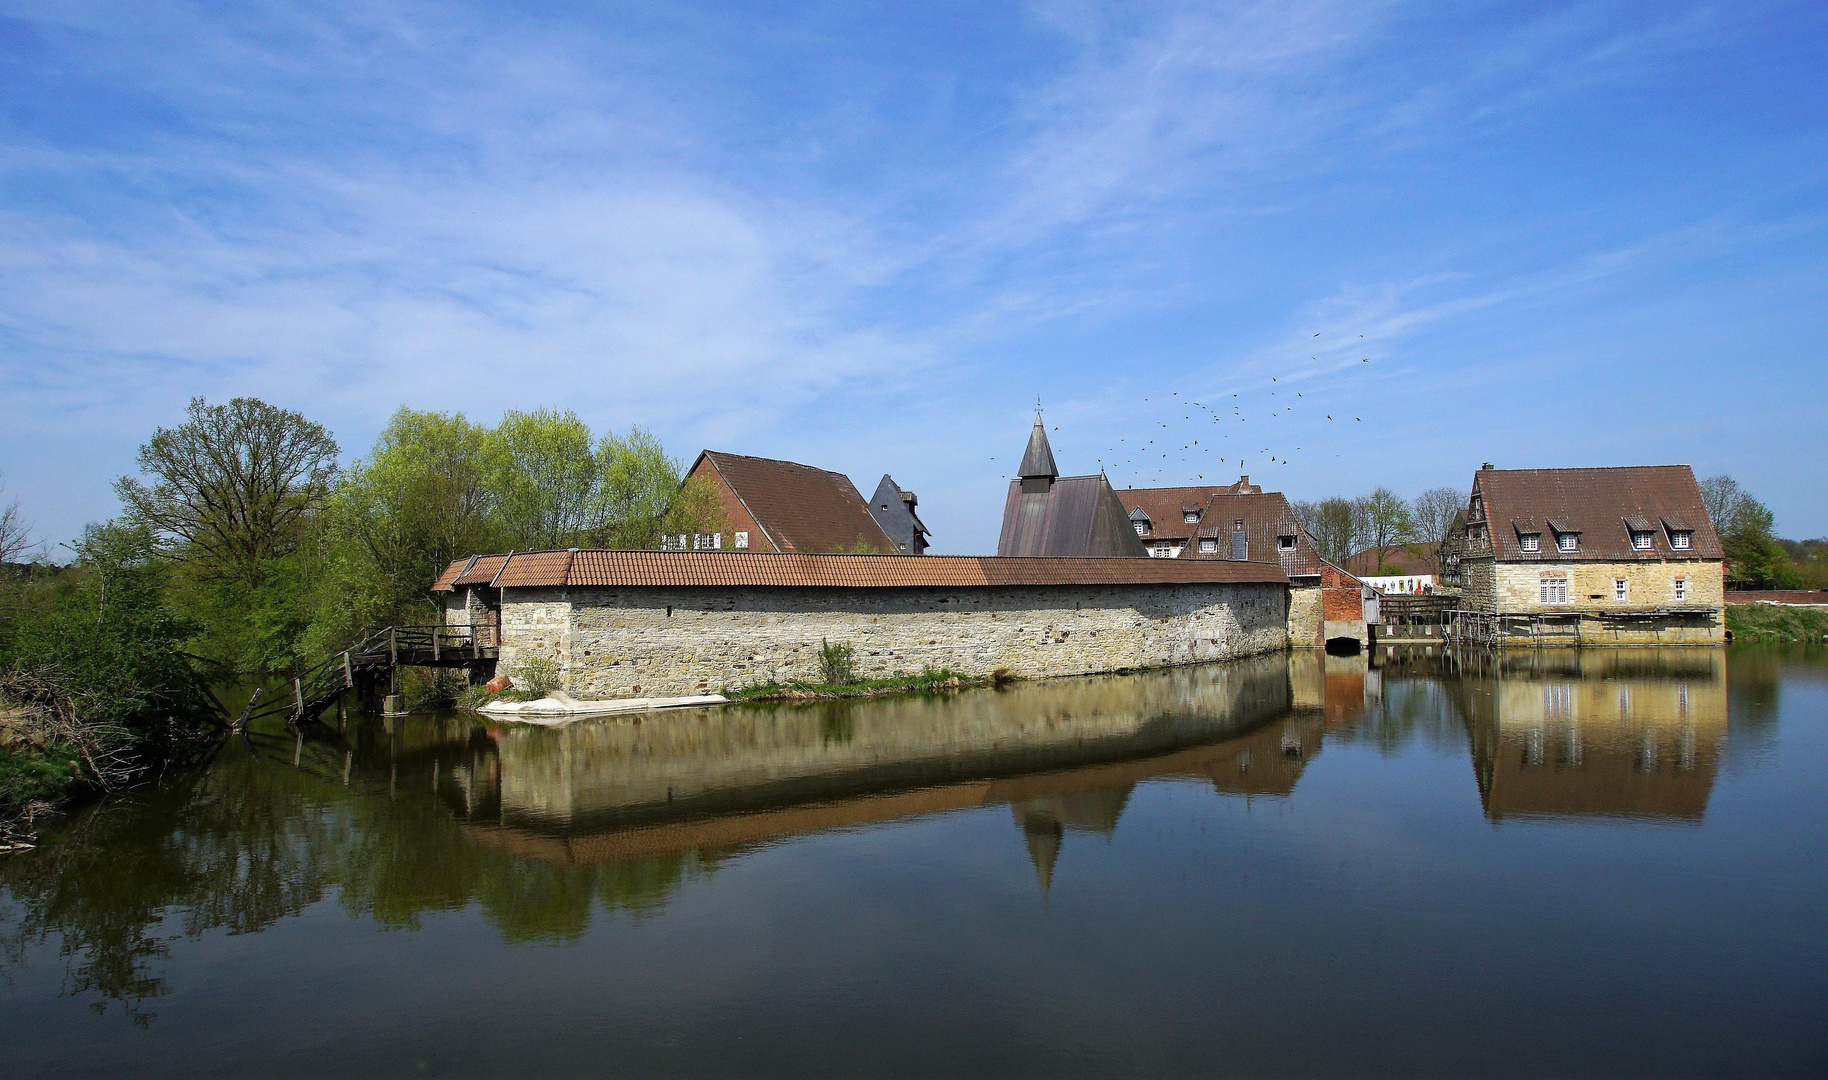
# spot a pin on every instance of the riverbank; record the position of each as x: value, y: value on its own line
x: 927, y: 682
x: 1775, y: 622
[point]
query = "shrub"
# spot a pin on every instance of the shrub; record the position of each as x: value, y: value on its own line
x: 837, y: 663
x: 537, y: 675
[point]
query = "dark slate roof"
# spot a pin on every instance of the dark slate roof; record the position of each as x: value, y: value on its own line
x: 1038, y: 459
x: 1076, y: 516
x: 678, y: 569
x: 893, y: 509
x: 1597, y: 504
x: 801, y: 508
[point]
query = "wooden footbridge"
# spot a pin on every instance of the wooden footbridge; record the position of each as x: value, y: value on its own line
x: 376, y: 659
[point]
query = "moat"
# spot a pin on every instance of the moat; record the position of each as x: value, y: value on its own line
x: 1594, y: 863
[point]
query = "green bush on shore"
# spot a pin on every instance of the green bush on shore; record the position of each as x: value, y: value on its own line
x: 1773, y: 622
x: 932, y: 680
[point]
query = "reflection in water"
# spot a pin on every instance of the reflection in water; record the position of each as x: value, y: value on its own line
x: 1598, y: 732
x: 538, y: 829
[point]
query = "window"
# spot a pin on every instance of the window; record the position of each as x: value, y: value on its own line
x: 1209, y: 546
x: 1682, y: 588
x: 707, y: 541
x: 742, y: 540
x: 673, y: 541
x: 1679, y: 540
x: 1621, y: 589
x: 1640, y: 541
x: 1190, y: 516
x: 1568, y: 541
x: 1555, y: 590
x: 1286, y: 543
x: 1163, y: 550
x: 1142, y: 528
x: 1531, y: 542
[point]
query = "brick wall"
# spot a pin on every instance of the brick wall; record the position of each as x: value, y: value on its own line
x: 643, y: 642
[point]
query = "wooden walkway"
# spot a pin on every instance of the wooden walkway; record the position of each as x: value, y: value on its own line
x: 377, y: 656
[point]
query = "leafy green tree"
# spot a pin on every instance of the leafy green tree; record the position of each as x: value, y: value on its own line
x: 1389, y: 522
x: 545, y: 478
x: 232, y: 487
x: 1746, y: 527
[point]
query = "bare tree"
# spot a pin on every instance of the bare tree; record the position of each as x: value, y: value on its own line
x: 1724, y: 499
x: 232, y: 485
x: 1336, y: 526
x: 1440, y: 513
x: 15, y: 532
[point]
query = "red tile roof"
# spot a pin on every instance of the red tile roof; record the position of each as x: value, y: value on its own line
x: 1598, y: 504
x: 678, y: 569
x: 1267, y: 516
x: 801, y: 508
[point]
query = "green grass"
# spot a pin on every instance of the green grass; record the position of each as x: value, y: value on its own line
x: 927, y: 682
x: 30, y: 775
x: 1767, y: 622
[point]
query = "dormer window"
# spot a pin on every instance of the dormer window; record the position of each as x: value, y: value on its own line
x: 1641, y: 541
x: 1286, y: 543
x: 1190, y: 516
x: 1209, y: 545
x: 1531, y: 543
x: 1680, y: 540
x: 1568, y: 541
x: 1142, y: 528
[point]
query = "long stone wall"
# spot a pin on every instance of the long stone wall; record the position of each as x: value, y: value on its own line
x: 645, y: 642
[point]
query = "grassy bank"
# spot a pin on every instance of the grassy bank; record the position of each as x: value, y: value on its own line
x: 927, y: 682
x: 1768, y: 622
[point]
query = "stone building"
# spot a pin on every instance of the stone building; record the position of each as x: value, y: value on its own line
x: 625, y: 624
x: 1621, y: 556
x: 782, y: 506
x: 893, y: 509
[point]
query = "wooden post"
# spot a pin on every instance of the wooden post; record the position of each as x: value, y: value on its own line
x: 348, y: 676
x: 298, y: 688
x: 434, y: 645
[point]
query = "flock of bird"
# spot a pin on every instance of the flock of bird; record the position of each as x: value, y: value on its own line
x: 1211, y: 436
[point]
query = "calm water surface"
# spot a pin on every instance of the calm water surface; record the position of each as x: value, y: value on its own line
x: 1581, y: 864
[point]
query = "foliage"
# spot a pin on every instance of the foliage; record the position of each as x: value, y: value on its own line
x: 1336, y: 526
x: 1440, y: 515
x: 536, y: 675
x: 233, y: 486
x: 1389, y: 522
x: 837, y: 663
x: 1746, y: 528
x: 91, y: 667
x: 1776, y: 622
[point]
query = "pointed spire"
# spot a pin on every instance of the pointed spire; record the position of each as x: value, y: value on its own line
x: 1042, y: 835
x: 1038, y: 460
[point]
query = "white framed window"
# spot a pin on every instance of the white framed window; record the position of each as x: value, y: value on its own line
x: 1640, y: 541
x: 1681, y: 588
x: 1568, y: 541
x: 1209, y: 546
x: 1530, y: 542
x: 707, y: 541
x: 1142, y: 528
x: 1190, y: 516
x: 742, y: 540
x: 1554, y: 590
x: 1163, y: 550
x: 1286, y: 543
x: 1621, y: 589
x: 1679, y: 540
x: 674, y: 541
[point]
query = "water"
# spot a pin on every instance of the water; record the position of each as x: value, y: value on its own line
x: 1584, y: 864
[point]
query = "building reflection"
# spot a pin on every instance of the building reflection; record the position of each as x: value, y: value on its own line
x: 1064, y: 756
x: 1594, y: 733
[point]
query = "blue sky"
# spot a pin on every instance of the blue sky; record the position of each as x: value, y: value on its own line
x: 869, y: 236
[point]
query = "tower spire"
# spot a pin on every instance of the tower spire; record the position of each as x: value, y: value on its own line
x: 1038, y: 471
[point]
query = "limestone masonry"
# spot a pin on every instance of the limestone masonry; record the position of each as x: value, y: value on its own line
x: 645, y: 641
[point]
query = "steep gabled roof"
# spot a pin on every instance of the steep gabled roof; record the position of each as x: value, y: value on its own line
x: 800, y: 507
x: 1267, y: 516
x: 1076, y: 516
x: 1602, y: 506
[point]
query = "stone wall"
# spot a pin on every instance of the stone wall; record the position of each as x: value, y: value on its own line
x: 1304, y: 618
x: 646, y: 642
x: 1649, y: 615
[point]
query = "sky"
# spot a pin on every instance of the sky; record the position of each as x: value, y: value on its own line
x: 871, y: 237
